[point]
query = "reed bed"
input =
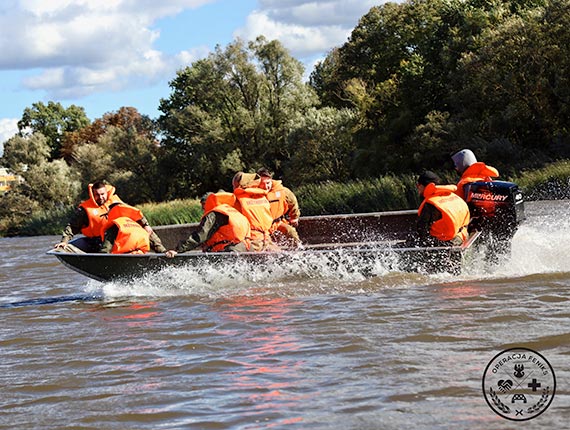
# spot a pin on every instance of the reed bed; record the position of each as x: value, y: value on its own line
x: 373, y: 195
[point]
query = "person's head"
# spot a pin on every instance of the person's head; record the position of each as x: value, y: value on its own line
x: 236, y: 180
x: 266, y: 179
x: 204, y: 198
x: 243, y: 180
x: 463, y: 159
x: 100, y: 193
x: 425, y: 179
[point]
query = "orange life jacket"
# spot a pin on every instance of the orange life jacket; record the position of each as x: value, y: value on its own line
x: 236, y: 231
x: 97, y: 215
x: 454, y: 211
x: 253, y: 204
x: 131, y: 238
x: 219, y: 198
x: 476, y: 172
x: 276, y: 197
x: 118, y: 211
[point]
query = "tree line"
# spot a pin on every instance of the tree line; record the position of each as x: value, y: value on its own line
x: 414, y: 82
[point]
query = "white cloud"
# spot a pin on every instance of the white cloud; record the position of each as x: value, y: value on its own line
x: 74, y: 48
x: 344, y: 13
x: 8, y: 128
x: 300, y: 40
x: 306, y: 28
x: 85, y: 46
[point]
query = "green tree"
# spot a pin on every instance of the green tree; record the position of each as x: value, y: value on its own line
x: 15, y: 210
x: 126, y: 118
x: 230, y: 110
x: 93, y: 162
x: 284, y: 95
x: 322, y: 146
x: 53, y: 121
x: 515, y: 91
x: 52, y: 184
x: 392, y: 70
x: 20, y: 153
x: 406, y: 65
x: 46, y: 185
x: 125, y: 158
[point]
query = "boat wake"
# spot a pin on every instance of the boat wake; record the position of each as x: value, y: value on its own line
x: 299, y: 275
x: 539, y: 246
x: 52, y: 300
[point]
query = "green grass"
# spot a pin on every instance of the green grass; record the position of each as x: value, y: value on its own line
x: 45, y: 223
x: 172, y: 212
x: 374, y: 195
x: 53, y: 222
x: 549, y: 183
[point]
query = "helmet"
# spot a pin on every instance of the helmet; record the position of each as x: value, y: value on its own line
x: 463, y: 159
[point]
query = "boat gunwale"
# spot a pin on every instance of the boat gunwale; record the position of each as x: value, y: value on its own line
x: 330, y: 247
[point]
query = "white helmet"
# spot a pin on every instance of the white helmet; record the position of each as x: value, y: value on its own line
x: 463, y: 159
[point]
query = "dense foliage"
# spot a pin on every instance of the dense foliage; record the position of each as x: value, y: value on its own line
x: 430, y: 77
x: 231, y: 111
x: 414, y: 82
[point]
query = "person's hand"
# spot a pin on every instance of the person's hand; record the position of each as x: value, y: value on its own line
x: 171, y: 253
x: 294, y: 223
x: 60, y: 245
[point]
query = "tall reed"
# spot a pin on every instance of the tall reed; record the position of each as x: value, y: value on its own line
x: 549, y: 183
x: 372, y: 195
x: 172, y: 212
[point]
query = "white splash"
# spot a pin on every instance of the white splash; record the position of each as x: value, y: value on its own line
x: 540, y: 246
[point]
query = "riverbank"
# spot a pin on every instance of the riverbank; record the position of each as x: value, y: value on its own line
x: 372, y: 195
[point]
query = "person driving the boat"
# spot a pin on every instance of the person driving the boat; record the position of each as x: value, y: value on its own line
x: 471, y: 170
x: 127, y: 232
x: 443, y: 216
x: 222, y: 227
x: 90, y: 217
x: 284, y: 208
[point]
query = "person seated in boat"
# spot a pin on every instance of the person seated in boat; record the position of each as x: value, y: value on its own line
x: 471, y: 170
x: 222, y: 227
x: 252, y: 202
x: 443, y: 216
x: 127, y: 232
x: 284, y: 209
x: 90, y: 217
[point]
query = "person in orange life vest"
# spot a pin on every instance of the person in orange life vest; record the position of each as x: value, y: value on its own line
x: 90, y: 217
x: 284, y: 208
x: 222, y: 227
x: 471, y: 170
x: 443, y: 216
x: 127, y: 232
x: 252, y: 202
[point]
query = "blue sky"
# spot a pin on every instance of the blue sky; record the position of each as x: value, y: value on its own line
x: 103, y: 55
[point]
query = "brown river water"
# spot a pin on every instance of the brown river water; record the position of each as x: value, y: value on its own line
x: 301, y: 347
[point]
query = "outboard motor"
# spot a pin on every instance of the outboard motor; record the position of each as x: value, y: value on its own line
x: 497, y: 209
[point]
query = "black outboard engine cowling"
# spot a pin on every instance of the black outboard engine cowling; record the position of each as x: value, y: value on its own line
x: 497, y: 209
